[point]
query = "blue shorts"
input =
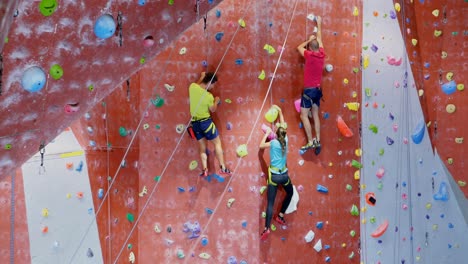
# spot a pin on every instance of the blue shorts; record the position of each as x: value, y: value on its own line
x: 205, y: 128
x: 311, y: 96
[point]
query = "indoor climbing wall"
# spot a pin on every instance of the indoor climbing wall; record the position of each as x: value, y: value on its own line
x: 190, y: 218
x: 60, y: 58
x: 412, y: 209
x: 435, y: 36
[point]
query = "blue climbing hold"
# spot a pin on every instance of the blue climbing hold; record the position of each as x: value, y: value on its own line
x: 218, y: 13
x: 33, y: 79
x: 219, y: 36
x: 418, y: 132
x: 181, y: 189
x: 79, y: 168
x: 449, y: 88
x: 232, y: 260
x: 204, y: 241
x: 319, y: 225
x: 442, y: 194
x: 239, y: 62
x: 244, y: 224
x: 141, y: 2
x: 104, y: 27
x: 204, y: 63
x: 209, y: 211
x: 100, y: 193
x: 326, y: 115
x: 218, y: 178
x: 322, y: 189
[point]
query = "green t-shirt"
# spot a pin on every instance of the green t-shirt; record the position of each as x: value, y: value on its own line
x: 200, y: 101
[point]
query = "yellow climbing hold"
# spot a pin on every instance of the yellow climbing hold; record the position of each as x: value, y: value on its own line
x: 397, y: 7
x: 358, y: 152
x: 460, y: 87
x: 414, y: 42
x: 262, y: 189
x: 435, y: 227
x: 428, y: 206
x: 449, y: 76
x: 269, y: 49
x: 421, y: 92
x: 353, y: 106
x: 193, y: 165
x: 450, y: 108
x: 45, y: 212
x: 204, y: 255
x: 437, y: 33
x: 261, y: 76
x: 230, y: 202
x: 462, y: 183
x: 241, y: 23
x: 355, y: 11
x: 450, y: 161
x: 242, y: 150
x: 366, y: 61
x: 357, y: 175
x: 345, y: 81
x: 435, y: 12
x: 273, y: 227
x: 68, y: 195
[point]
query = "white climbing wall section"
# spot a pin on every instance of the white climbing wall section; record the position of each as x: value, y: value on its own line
x: 409, y: 211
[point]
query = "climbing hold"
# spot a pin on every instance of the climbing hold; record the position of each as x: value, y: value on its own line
x: 318, y: 245
x: 182, y: 51
x: 459, y: 140
x: 130, y: 217
x: 261, y: 76
x: 180, y: 254
x: 242, y: 150
x: 230, y: 202
x: 380, y: 173
x: 353, y: 106
x: 218, y: 13
x: 100, y: 193
x: 56, y: 71
x: 169, y: 88
x: 450, y: 108
x: 435, y: 12
x: 48, y: 7
x: 343, y: 128
x: 355, y: 11
x: 349, y: 187
x: 181, y: 189
x: 418, y: 132
x: 219, y: 36
x: 370, y: 198
x: 104, y: 27
x: 241, y: 23
x: 356, y: 164
x: 228, y: 125
x: 131, y: 257
x: 33, y: 79
x: 354, y: 210
x: 329, y: 67
x: 79, y: 195
x: 380, y: 229
x: 193, y: 165
x: 204, y: 241
x: 357, y: 175
x: 414, y: 42
x: 123, y: 131
x: 365, y: 63
x: 180, y: 128
x: 352, y: 233
x: 319, y: 225
x: 460, y: 87
x: 437, y: 33
x: 442, y: 194
x: 449, y: 88
x: 449, y: 76
x: 45, y: 212
x: 373, y: 128
x: 204, y: 255
x: 262, y: 189
x: 209, y: 211
x: 461, y: 183
x: 390, y: 141
x: 269, y: 49
x: 322, y: 189
x: 397, y: 7
x: 148, y: 41
x: 309, y: 236
x: 158, y: 101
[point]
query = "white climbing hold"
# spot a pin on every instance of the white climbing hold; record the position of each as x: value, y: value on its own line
x: 183, y: 51
x: 143, y: 192
x: 310, y: 236
x: 204, y: 255
x: 131, y: 257
x: 169, y: 87
x: 230, y: 202
x: 318, y: 245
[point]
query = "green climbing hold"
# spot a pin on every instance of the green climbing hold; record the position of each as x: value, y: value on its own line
x: 356, y: 164
x: 273, y: 227
x: 6, y: 40
x: 355, y: 70
x: 354, y: 210
x: 56, y: 71
x: 91, y: 87
x: 372, y: 220
x: 349, y: 187
x: 129, y: 246
x: 130, y: 217
x: 157, y: 178
x: 352, y: 233
x: 157, y: 126
x: 171, y: 2
x: 142, y: 60
x: 48, y: 7
x: 123, y: 131
x: 380, y: 185
x: 158, y: 102
x: 373, y: 128
x: 381, y: 151
x: 8, y: 146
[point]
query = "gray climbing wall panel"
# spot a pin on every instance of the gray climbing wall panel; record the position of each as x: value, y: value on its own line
x: 402, y: 182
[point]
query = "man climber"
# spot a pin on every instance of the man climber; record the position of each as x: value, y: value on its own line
x: 314, y: 54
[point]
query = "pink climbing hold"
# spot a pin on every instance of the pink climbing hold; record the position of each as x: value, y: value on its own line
x: 380, y: 173
x: 297, y: 105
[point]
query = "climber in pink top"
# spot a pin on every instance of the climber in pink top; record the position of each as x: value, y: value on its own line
x: 314, y: 54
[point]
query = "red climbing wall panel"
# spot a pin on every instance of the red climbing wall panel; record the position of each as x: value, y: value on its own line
x: 439, y: 29
x: 180, y: 196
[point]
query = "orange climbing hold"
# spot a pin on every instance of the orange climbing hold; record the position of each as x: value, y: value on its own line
x: 380, y: 230
x: 344, y: 129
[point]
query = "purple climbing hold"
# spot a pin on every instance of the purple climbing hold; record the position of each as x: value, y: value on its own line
x: 392, y: 14
x: 390, y: 141
x: 374, y: 48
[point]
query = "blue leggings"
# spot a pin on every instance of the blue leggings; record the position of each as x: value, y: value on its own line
x: 284, y: 180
